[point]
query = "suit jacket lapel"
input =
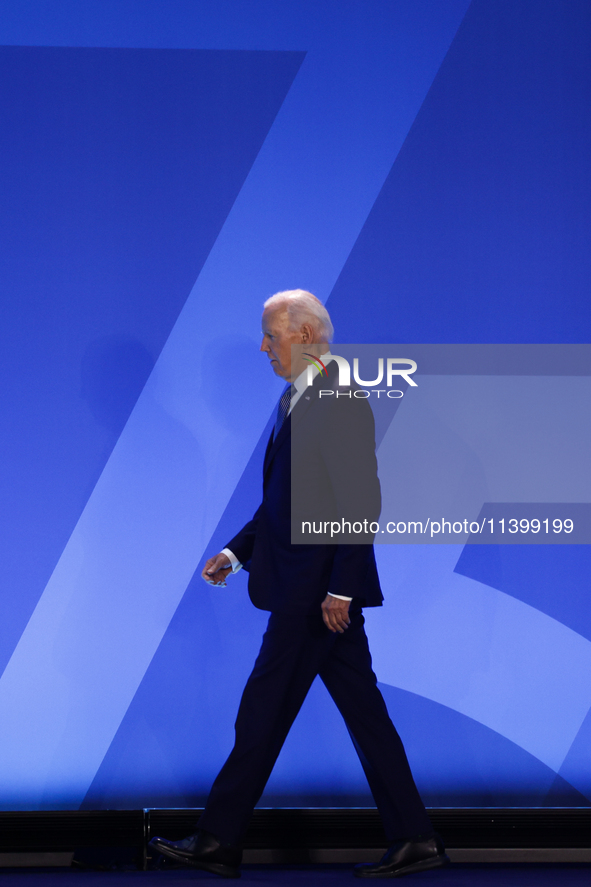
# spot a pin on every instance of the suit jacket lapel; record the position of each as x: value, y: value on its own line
x: 276, y: 443
x: 273, y: 445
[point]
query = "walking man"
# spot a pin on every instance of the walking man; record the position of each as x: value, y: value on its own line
x: 315, y: 595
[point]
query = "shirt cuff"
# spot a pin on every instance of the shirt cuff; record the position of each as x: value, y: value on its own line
x: 341, y: 597
x: 236, y: 565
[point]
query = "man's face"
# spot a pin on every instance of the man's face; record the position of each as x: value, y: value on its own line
x: 277, y: 342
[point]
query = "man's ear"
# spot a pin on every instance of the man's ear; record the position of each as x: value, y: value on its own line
x: 306, y: 333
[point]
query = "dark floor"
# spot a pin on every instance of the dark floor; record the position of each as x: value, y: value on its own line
x: 485, y: 875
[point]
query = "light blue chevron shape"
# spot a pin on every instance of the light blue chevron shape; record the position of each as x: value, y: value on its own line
x: 146, y: 525
x: 479, y: 651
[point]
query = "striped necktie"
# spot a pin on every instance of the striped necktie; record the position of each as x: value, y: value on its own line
x: 283, y: 408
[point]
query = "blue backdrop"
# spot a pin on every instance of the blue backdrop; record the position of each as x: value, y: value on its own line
x: 423, y: 166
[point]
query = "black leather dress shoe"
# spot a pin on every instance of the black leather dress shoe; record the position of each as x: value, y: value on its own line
x: 405, y: 857
x: 202, y: 851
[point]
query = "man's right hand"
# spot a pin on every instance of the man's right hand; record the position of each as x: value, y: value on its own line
x: 216, y: 569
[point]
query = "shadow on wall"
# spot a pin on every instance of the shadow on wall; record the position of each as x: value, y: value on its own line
x: 114, y: 370
x: 234, y: 373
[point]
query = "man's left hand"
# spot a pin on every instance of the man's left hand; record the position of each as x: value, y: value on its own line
x: 335, y: 613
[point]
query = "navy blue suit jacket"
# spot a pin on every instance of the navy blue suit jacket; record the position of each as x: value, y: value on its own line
x: 333, y: 475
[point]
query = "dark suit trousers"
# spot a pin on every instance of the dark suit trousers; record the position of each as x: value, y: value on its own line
x: 294, y: 650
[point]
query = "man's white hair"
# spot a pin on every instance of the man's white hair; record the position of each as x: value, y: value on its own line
x: 302, y: 307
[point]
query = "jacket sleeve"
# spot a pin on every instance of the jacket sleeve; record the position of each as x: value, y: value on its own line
x: 242, y: 544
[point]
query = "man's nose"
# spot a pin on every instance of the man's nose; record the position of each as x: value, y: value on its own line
x: 264, y: 345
